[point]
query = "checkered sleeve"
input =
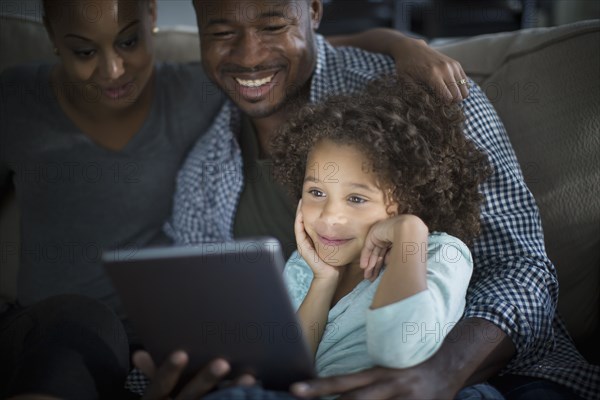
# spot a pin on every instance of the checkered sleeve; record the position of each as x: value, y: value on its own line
x: 514, y: 283
x: 137, y: 382
x: 208, y: 186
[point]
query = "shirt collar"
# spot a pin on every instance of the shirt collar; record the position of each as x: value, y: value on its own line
x: 323, y: 80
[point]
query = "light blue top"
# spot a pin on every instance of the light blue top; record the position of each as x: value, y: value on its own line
x: 398, y: 335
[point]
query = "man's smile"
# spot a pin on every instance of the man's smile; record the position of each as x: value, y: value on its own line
x: 255, y: 86
x: 254, y: 82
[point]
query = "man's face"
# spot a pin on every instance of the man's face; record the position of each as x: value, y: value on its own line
x: 261, y: 53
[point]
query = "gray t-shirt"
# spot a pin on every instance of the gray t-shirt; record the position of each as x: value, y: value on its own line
x: 264, y: 208
x: 77, y: 198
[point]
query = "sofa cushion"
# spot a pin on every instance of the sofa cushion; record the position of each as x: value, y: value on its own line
x: 545, y: 85
x: 179, y: 44
x: 23, y: 40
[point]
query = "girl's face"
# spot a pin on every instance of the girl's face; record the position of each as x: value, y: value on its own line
x: 341, y: 200
x: 105, y: 46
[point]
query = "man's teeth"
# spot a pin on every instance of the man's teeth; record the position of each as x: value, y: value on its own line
x: 254, y: 83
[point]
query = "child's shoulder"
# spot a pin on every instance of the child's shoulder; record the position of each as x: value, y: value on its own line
x: 447, y: 245
x: 441, y: 237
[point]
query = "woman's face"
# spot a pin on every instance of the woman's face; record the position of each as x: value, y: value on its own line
x: 105, y: 47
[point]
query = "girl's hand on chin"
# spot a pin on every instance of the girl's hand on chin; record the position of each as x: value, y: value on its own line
x: 376, y: 248
x: 379, y: 241
x: 321, y: 270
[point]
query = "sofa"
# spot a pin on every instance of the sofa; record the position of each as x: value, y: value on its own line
x: 545, y: 85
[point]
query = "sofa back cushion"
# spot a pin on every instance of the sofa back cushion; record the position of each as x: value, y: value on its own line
x: 23, y: 40
x: 545, y: 85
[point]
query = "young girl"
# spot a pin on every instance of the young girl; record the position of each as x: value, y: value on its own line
x: 386, y: 179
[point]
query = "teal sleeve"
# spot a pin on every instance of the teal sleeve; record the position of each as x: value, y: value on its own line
x: 297, y: 276
x: 408, y: 332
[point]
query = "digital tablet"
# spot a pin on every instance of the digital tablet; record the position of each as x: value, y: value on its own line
x: 215, y: 300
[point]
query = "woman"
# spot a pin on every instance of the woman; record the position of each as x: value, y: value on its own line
x: 93, y: 145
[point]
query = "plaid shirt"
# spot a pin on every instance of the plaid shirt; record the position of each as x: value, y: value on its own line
x: 514, y: 284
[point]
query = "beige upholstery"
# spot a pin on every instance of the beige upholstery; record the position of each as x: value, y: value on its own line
x: 545, y: 84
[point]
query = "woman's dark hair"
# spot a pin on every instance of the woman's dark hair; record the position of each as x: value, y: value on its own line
x: 58, y: 8
x: 414, y: 142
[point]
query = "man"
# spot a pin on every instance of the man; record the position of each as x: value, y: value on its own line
x: 266, y: 57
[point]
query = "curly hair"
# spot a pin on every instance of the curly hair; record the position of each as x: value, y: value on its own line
x: 414, y: 142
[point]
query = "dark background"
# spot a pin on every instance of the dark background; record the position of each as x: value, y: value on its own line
x: 425, y: 18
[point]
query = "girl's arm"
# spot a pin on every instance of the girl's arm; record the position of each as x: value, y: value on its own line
x: 314, y: 310
x: 310, y: 298
x: 421, y: 295
x: 413, y: 57
x: 406, y: 272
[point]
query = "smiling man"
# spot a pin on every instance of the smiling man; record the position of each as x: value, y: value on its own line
x: 262, y: 55
x: 274, y: 66
x: 266, y: 56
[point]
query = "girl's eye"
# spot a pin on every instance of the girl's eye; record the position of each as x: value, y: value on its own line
x: 316, y: 193
x: 84, y: 53
x: 356, y: 200
x: 126, y: 44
